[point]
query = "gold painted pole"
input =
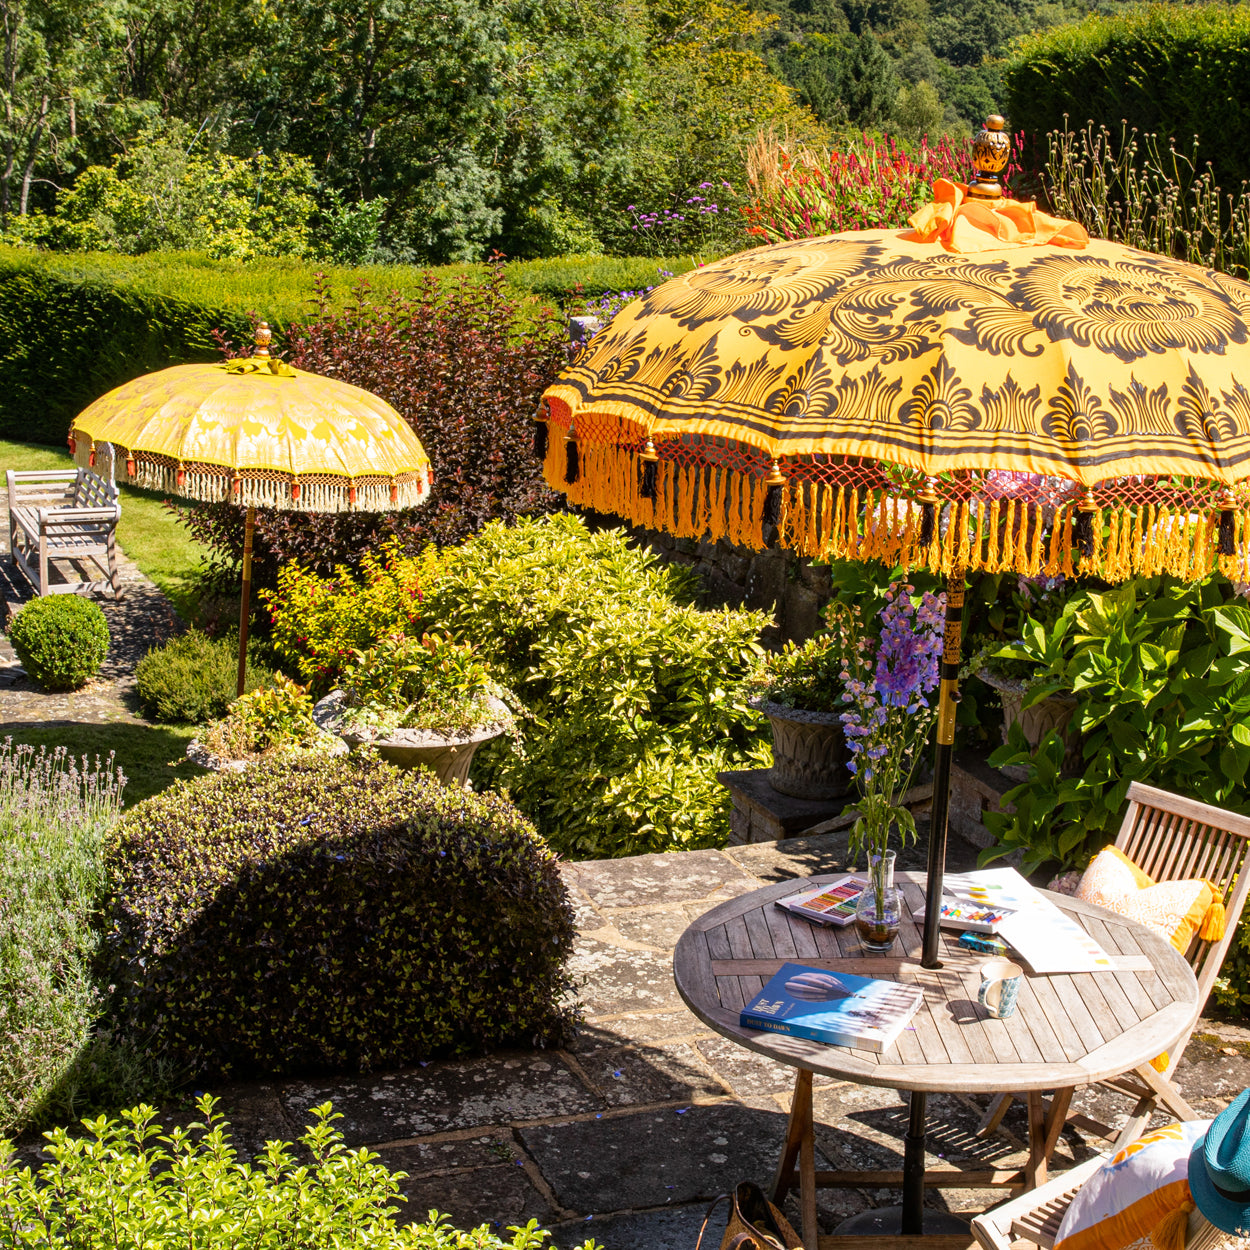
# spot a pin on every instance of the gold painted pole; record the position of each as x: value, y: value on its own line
x: 245, y: 603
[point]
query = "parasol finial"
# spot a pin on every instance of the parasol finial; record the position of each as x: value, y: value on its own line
x: 991, y: 149
x: 262, y: 339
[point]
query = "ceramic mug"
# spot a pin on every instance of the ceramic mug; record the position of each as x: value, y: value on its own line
x: 1000, y: 986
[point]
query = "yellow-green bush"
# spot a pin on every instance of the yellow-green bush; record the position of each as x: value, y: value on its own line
x: 318, y: 621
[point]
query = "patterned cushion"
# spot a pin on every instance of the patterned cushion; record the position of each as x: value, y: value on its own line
x: 1178, y: 909
x: 1131, y: 1195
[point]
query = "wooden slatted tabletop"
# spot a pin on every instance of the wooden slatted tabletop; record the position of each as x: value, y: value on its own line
x: 1067, y: 1030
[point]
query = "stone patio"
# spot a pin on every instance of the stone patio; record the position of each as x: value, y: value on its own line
x: 627, y: 1133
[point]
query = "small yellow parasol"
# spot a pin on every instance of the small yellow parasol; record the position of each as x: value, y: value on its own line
x: 258, y: 433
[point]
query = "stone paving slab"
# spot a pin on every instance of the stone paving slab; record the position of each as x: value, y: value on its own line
x: 499, y: 1089
x: 666, y: 1154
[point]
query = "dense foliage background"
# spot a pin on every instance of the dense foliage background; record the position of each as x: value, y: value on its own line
x: 436, y: 130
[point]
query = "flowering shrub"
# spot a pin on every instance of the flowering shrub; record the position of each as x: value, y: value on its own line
x: 272, y: 720
x: 709, y: 220
x: 430, y: 683
x: 319, y: 622
x: 464, y: 363
x: 804, y: 192
x: 55, y: 813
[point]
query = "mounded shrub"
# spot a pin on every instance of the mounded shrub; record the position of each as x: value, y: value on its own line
x: 333, y: 916
x: 194, y: 678
x: 1178, y: 70
x: 61, y: 640
x: 635, y: 696
x: 129, y: 1183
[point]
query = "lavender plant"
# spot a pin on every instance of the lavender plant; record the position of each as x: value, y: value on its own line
x: 54, y: 814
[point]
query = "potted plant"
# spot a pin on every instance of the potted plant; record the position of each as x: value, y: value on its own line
x: 269, y: 722
x: 887, y: 684
x: 800, y: 691
x: 427, y: 700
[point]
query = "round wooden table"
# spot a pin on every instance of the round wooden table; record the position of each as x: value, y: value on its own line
x: 1067, y: 1031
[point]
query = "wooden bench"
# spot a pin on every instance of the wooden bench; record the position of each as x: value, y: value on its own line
x: 64, y: 515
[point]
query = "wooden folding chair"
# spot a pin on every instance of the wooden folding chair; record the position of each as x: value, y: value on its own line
x: 1173, y: 839
x: 1035, y: 1216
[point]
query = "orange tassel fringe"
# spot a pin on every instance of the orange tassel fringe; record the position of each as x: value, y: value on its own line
x: 824, y: 521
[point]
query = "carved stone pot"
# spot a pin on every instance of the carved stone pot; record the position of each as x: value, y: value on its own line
x: 809, y: 752
x: 448, y: 758
x: 1053, y: 712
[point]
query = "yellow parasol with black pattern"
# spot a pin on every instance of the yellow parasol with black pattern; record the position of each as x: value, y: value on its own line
x: 1072, y: 405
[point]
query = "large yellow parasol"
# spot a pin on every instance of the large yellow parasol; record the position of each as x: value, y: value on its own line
x: 258, y: 432
x: 988, y: 390
x: 837, y: 386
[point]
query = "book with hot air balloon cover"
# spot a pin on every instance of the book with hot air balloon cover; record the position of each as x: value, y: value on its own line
x: 833, y: 1007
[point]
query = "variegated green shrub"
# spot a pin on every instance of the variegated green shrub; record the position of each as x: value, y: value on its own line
x: 334, y: 915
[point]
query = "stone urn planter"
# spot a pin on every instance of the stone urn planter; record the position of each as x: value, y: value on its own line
x: 198, y: 753
x: 1052, y: 712
x: 809, y: 752
x: 448, y: 757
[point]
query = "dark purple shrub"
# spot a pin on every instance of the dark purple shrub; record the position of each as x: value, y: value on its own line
x: 465, y: 363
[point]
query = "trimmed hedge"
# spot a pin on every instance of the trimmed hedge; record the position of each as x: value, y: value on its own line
x: 333, y: 916
x: 74, y: 325
x: 1177, y: 70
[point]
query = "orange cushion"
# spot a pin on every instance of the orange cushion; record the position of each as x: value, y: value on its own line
x: 1177, y: 909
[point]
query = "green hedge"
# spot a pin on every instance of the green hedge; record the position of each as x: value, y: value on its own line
x: 1176, y: 70
x: 74, y: 325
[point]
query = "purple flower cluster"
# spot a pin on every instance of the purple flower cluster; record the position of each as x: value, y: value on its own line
x: 887, y: 691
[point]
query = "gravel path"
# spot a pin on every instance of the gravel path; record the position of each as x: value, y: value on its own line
x: 142, y: 618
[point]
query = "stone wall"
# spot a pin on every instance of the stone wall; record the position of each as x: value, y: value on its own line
x: 794, y: 589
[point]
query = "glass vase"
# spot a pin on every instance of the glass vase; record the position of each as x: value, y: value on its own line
x: 878, y: 912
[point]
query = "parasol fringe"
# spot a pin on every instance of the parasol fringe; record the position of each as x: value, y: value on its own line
x: 819, y: 519
x: 1113, y: 551
x: 993, y: 558
x: 703, y: 501
x: 276, y: 492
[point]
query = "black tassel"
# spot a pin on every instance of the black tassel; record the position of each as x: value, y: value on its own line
x: 646, y: 486
x: 928, y: 523
x: 540, y: 440
x: 1083, y: 533
x: 571, y: 463
x: 772, y: 506
x: 1226, y: 545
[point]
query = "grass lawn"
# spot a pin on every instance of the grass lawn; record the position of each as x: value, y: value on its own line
x: 153, y: 757
x: 147, y: 531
